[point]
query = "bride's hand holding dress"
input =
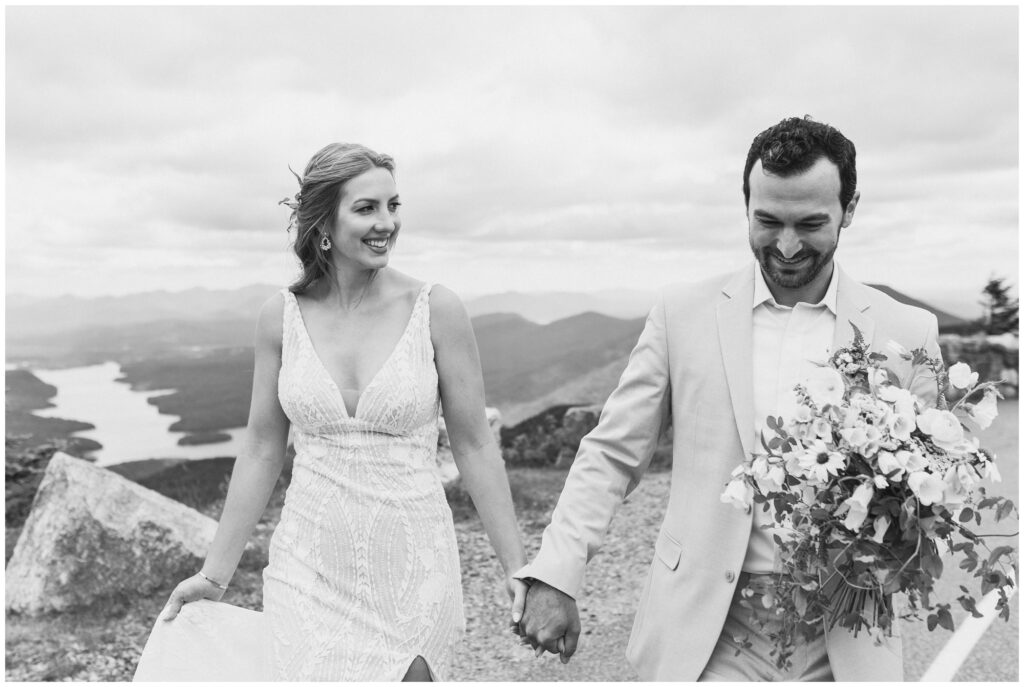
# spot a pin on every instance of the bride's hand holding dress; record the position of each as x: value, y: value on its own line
x: 194, y: 588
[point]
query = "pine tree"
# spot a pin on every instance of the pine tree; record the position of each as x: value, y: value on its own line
x: 1000, y: 310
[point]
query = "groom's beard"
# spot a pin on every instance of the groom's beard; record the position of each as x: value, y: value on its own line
x: 788, y: 277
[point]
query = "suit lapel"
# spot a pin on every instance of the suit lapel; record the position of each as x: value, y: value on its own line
x: 735, y: 336
x: 851, y: 309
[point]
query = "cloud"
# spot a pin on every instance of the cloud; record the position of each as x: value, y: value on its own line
x: 611, y: 135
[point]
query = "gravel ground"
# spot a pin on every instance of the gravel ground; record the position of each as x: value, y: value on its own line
x: 610, y: 596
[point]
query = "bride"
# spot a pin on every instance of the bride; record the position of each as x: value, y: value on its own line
x: 363, y: 581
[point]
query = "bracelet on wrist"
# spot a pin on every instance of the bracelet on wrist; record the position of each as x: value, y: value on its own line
x: 215, y: 583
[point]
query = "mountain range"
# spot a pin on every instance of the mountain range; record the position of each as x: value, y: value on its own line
x: 28, y: 317
x: 537, y: 350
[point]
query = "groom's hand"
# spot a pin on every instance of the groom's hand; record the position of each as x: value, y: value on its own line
x: 551, y: 620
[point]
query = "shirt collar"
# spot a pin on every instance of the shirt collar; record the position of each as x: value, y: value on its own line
x: 762, y: 294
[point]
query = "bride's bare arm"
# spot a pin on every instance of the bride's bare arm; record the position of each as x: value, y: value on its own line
x: 473, y: 446
x: 256, y: 470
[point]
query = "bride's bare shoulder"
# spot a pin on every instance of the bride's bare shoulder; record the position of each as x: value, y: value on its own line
x: 270, y: 324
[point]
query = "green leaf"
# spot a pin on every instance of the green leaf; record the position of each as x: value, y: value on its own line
x: 800, y: 601
x: 966, y: 514
x: 970, y: 606
x: 946, y: 619
x: 1004, y: 510
x: 932, y: 564
x: 998, y: 552
x: 968, y: 564
x: 933, y: 621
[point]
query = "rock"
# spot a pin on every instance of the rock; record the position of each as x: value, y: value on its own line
x: 94, y: 537
x: 585, y: 413
x: 445, y: 461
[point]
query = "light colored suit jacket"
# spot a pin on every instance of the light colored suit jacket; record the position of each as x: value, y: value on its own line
x: 692, y: 370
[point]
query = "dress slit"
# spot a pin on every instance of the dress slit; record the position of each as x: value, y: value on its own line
x: 409, y: 664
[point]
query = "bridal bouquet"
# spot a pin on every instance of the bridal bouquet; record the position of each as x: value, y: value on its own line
x: 868, y: 485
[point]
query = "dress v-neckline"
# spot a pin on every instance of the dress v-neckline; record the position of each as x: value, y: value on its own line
x: 323, y: 367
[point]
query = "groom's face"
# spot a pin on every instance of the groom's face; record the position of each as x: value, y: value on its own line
x: 794, y: 223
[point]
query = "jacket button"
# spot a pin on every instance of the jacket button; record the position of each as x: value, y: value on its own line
x: 730, y: 576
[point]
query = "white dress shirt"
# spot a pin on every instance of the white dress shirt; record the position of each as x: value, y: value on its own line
x: 787, y: 342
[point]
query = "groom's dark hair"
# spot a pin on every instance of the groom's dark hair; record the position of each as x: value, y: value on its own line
x: 794, y: 144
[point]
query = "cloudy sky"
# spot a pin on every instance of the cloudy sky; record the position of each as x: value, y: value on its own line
x: 538, y: 148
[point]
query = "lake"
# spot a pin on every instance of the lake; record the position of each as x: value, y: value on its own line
x: 126, y: 424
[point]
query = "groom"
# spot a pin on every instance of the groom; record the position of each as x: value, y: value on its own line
x: 714, y: 360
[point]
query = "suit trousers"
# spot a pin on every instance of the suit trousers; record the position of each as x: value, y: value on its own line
x: 743, y: 626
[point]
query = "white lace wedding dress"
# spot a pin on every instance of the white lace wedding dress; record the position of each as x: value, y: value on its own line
x: 364, y: 570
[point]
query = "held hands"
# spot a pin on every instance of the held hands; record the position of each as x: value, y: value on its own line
x: 550, y: 620
x: 193, y: 589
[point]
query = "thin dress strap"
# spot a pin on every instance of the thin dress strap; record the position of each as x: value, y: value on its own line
x: 288, y: 329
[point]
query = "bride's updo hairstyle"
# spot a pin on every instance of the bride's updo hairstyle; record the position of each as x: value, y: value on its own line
x: 315, y: 206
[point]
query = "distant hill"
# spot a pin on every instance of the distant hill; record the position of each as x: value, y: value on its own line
x: 546, y: 307
x: 28, y: 317
x: 946, y: 321
x: 523, y: 361
x: 131, y: 341
x: 591, y: 388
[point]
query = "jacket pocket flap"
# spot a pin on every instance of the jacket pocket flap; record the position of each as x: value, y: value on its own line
x: 668, y: 550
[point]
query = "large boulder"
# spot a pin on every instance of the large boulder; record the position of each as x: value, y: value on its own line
x: 94, y: 538
x: 445, y: 461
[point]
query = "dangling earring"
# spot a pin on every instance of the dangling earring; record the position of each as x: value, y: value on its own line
x: 325, y: 243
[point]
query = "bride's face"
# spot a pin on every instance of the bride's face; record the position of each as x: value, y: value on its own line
x: 367, y: 222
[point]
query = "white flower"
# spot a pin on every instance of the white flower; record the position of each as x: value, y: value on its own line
x: 802, y: 413
x: 942, y: 426
x: 984, y: 411
x: 825, y: 386
x: 880, y: 482
x: 901, y: 425
x: 901, y: 399
x: 915, y: 460
x: 961, y: 377
x: 882, y: 523
x: 926, y: 486
x: 821, y: 428
x: 874, y: 437
x: 857, y: 506
x: 738, y: 493
x: 770, y: 476
x: 817, y: 462
x: 889, y: 462
x: 960, y: 480
x: 992, y: 472
x: 773, y: 480
x: 856, y: 437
